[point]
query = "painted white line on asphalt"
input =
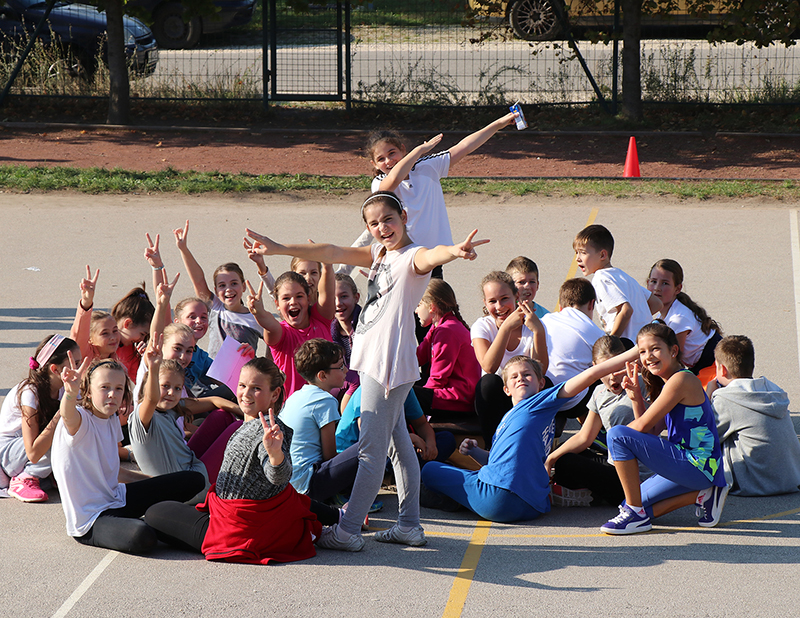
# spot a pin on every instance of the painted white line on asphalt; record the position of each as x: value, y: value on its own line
x: 795, y: 240
x: 85, y: 584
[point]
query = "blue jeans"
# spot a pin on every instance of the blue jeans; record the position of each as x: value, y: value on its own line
x: 488, y: 501
x: 674, y: 473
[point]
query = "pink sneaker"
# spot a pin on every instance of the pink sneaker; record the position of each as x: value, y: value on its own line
x: 26, y: 489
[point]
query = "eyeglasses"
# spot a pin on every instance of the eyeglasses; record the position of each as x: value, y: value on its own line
x: 341, y: 367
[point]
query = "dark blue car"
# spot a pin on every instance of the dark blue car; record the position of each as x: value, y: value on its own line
x: 178, y: 25
x: 78, y: 32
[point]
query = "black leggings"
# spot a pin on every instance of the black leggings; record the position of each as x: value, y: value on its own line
x: 589, y: 470
x: 122, y: 530
x: 707, y: 357
x: 183, y: 526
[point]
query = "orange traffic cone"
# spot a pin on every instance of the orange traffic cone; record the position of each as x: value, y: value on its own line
x: 632, y: 161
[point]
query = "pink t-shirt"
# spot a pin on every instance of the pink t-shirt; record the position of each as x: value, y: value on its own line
x: 293, y: 338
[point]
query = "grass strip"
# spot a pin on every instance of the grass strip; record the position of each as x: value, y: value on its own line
x: 98, y: 180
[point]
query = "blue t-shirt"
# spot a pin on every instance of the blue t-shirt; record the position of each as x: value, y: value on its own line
x: 198, y: 368
x: 347, y: 429
x: 516, y: 459
x: 307, y: 411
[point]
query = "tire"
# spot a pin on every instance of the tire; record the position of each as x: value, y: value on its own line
x: 534, y: 20
x: 170, y: 29
x: 73, y: 63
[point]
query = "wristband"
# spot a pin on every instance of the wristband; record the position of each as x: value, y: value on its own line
x: 89, y: 308
x: 158, y: 267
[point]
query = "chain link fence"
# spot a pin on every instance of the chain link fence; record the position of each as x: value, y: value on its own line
x: 417, y: 52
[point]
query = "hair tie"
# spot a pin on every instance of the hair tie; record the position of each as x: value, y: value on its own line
x: 378, y: 194
x: 47, y: 351
x: 32, y: 363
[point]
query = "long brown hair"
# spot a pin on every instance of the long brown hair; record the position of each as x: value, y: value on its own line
x: 707, y: 323
x: 442, y: 295
x: 39, y: 380
x: 661, y: 331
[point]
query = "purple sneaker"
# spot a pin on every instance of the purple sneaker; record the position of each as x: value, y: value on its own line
x: 627, y: 522
x: 710, y: 510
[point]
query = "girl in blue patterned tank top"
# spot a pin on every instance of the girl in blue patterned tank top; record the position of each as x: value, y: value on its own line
x: 688, y: 463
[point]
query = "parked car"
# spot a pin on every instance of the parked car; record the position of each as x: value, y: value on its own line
x: 78, y: 32
x: 174, y: 28
x: 537, y: 20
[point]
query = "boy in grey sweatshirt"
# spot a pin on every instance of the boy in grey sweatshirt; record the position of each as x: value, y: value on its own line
x: 759, y: 442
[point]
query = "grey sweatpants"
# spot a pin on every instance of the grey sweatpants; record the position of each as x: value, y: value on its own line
x: 383, y: 430
x: 14, y: 461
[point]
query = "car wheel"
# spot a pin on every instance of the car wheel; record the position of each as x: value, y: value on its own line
x: 170, y: 29
x: 534, y: 20
x: 74, y: 64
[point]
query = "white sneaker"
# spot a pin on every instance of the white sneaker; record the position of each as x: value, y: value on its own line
x: 414, y: 537
x: 329, y: 539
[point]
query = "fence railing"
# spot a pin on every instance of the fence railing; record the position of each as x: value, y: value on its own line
x: 418, y: 52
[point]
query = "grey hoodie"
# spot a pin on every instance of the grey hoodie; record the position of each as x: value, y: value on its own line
x: 758, y: 438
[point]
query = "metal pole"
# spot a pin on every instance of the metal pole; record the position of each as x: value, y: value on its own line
x: 615, y: 60
x: 31, y: 42
x: 348, y: 96
x: 265, y: 76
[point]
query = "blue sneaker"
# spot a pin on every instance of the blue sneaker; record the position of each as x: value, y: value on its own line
x: 627, y: 522
x: 710, y: 511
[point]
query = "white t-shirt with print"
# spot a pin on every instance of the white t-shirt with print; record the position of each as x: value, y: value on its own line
x: 614, y: 287
x: 486, y: 328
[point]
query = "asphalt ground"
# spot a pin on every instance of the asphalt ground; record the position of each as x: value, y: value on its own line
x: 742, y: 262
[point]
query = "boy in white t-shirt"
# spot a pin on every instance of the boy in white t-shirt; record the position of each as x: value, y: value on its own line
x: 570, y: 336
x: 624, y: 306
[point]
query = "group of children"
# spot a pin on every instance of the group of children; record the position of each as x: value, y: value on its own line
x: 258, y: 474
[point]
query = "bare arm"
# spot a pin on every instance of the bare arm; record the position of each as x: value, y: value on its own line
x: 196, y: 274
x: 273, y: 331
x: 682, y: 387
x: 479, y: 138
x: 403, y: 167
x: 37, y: 443
x: 326, y: 292
x: 327, y: 435
x: 79, y: 332
x: 424, y: 431
x: 579, y: 442
x: 71, y: 377
x: 425, y: 260
x: 589, y: 376
x: 655, y: 304
x: 153, y: 256
x: 490, y: 353
x: 624, y: 314
x: 151, y: 388
x: 325, y: 253
x: 209, y: 404
x: 539, y: 349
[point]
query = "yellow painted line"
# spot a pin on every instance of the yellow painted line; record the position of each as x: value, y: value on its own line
x: 754, y: 520
x: 466, y: 572
x: 573, y: 267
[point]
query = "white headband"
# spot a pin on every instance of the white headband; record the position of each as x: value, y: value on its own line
x: 388, y: 194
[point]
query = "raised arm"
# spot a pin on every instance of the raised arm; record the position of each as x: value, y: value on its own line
x: 326, y: 292
x: 153, y: 256
x: 425, y: 260
x: 479, y: 138
x: 161, y: 315
x: 273, y: 331
x: 196, y: 274
x: 655, y: 304
x: 79, y: 332
x: 71, y: 378
x: 404, y: 165
x: 589, y: 376
x: 325, y: 253
x: 539, y: 348
x: 261, y: 266
x: 151, y: 388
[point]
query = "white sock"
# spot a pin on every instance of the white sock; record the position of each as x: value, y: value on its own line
x: 639, y: 510
x: 703, y: 496
x: 342, y: 535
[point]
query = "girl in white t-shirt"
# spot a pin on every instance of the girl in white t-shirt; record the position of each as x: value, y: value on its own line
x: 28, y: 420
x: 698, y: 334
x: 384, y: 352
x: 508, y: 329
x: 100, y: 511
x: 229, y: 317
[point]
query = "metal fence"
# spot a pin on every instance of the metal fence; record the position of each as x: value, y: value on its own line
x: 420, y: 52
